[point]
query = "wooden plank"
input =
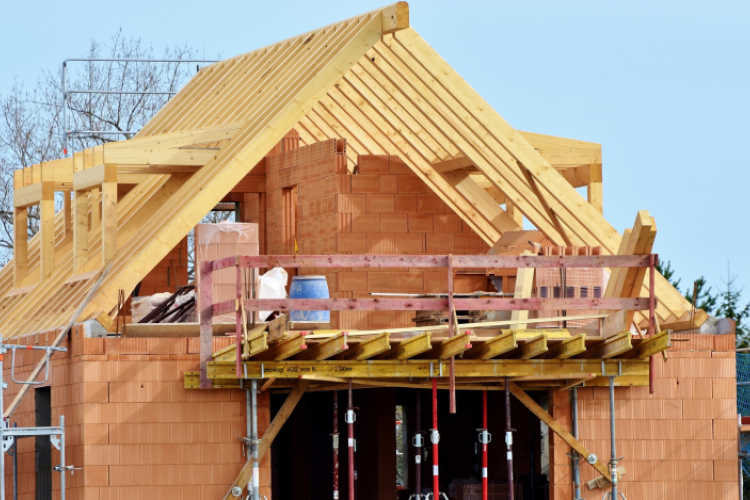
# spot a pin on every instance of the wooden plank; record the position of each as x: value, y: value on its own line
x: 20, y: 244
x: 28, y: 196
x: 452, y: 164
x: 452, y: 346
x: 395, y: 17
x: 568, y: 348
x: 325, y: 349
x: 367, y: 349
x: 109, y: 221
x: 173, y: 330
x: 93, y: 177
x: 653, y: 345
x: 594, y: 190
x: 436, y: 304
x: 436, y: 261
x: 271, y: 432
x: 284, y: 348
x: 492, y: 347
x: 47, y: 231
x: 409, y: 348
x: 425, y: 368
x: 524, y: 284
x: 609, y: 348
x: 80, y: 230
x: 555, y: 426
x: 531, y: 348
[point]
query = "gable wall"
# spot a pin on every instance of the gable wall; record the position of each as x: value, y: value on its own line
x: 383, y: 209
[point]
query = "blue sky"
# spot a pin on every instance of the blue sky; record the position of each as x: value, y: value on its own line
x: 664, y: 86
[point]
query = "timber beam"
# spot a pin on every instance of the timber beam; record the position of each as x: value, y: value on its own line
x: 429, y: 368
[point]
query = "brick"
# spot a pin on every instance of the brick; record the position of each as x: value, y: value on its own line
x: 411, y: 184
x: 725, y: 429
x: 421, y: 223
x: 438, y: 243
x: 724, y: 388
x: 447, y: 223
x: 365, y: 183
x: 396, y: 281
x: 430, y: 203
x: 373, y: 164
x: 405, y: 203
x: 380, y: 203
x: 388, y: 184
x: 351, y: 203
x: 395, y: 223
x: 351, y: 243
x: 410, y: 243
x: 725, y: 470
x: 364, y: 222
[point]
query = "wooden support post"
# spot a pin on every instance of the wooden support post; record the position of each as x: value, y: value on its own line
x: 556, y: 427
x: 513, y: 211
x: 67, y: 213
x: 205, y: 316
x: 271, y: 432
x: 20, y: 244
x: 452, y: 329
x: 524, y: 285
x: 96, y: 207
x: 47, y: 229
x: 594, y: 188
x: 109, y: 213
x: 80, y: 230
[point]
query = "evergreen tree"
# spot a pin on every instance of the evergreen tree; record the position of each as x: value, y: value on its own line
x: 731, y: 308
x: 705, y: 299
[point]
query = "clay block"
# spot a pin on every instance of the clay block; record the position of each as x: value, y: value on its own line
x: 351, y: 243
x: 447, y: 223
x: 388, y: 184
x: 405, y: 203
x: 380, y: 203
x: 439, y: 243
x: 430, y: 203
x: 399, y: 167
x: 364, y: 222
x: 410, y: 244
x: 373, y: 164
x: 365, y: 183
x: 351, y: 203
x: 396, y: 223
x: 421, y: 223
x: 411, y: 184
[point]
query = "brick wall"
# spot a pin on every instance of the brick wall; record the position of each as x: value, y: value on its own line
x: 383, y: 209
x: 133, y: 427
x: 679, y: 442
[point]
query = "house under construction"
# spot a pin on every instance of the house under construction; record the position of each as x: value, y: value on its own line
x: 356, y: 153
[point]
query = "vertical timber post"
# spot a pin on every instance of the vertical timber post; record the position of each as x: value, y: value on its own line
x: 452, y: 327
x: 206, y: 312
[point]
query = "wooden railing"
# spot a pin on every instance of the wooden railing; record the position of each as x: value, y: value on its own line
x: 207, y: 307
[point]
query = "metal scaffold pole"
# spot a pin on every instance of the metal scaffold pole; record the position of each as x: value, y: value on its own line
x: 335, y: 436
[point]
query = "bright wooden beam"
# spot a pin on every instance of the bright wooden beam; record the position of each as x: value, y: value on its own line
x: 109, y: 213
x: 568, y: 348
x: 546, y: 206
x: 594, y: 189
x: 285, y: 348
x: 325, y: 349
x: 452, y: 346
x: 80, y: 230
x: 28, y: 196
x: 451, y: 165
x: 20, y: 244
x: 524, y: 285
x: 609, y: 348
x: 409, y: 348
x: 47, y: 229
x: 94, y: 177
x: 653, y: 345
x: 368, y: 349
x: 490, y: 348
x: 532, y: 348
x: 558, y: 429
x: 395, y: 17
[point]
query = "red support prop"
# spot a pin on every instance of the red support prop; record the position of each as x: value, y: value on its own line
x: 350, y: 441
x: 335, y: 445
x: 484, y: 445
x: 653, y: 259
x: 452, y: 327
x: 418, y: 441
x: 435, y: 438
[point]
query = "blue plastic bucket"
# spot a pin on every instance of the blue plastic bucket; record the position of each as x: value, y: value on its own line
x: 309, y: 287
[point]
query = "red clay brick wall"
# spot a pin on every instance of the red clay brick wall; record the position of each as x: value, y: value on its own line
x: 383, y: 209
x: 133, y: 427
x: 679, y: 442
